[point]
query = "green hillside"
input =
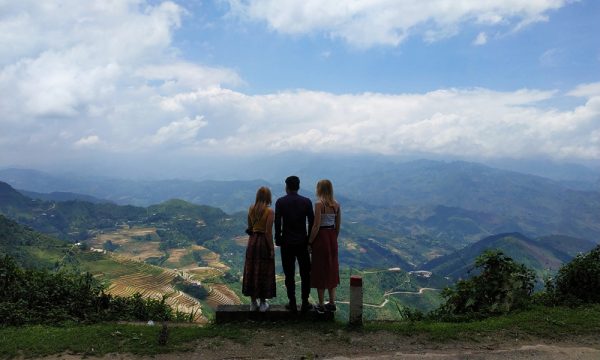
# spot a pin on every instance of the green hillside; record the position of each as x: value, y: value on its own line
x: 544, y: 255
x: 30, y: 248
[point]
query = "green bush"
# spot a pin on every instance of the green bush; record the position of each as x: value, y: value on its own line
x: 44, y: 297
x: 501, y: 286
x: 578, y: 281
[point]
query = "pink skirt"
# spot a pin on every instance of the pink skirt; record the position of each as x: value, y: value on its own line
x: 325, y: 268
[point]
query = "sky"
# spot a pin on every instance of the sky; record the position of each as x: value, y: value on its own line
x: 135, y: 84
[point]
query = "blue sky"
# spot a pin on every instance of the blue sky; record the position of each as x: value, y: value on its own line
x: 150, y: 83
x: 559, y: 53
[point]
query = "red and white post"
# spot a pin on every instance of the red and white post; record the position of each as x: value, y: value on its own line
x: 356, y: 300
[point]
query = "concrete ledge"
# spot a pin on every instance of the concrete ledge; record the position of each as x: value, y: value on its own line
x: 240, y: 313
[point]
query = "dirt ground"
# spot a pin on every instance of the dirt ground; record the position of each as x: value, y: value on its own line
x: 342, y: 344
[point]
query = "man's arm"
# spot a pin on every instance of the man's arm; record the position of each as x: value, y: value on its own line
x: 277, y: 223
x: 310, y: 215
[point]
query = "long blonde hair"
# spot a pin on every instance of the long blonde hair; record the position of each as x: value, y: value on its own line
x: 263, y: 200
x: 325, y: 192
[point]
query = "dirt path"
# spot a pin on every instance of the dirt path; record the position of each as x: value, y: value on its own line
x: 282, y: 343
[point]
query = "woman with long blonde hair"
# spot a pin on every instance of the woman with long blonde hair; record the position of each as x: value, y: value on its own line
x: 259, y: 265
x: 325, y: 272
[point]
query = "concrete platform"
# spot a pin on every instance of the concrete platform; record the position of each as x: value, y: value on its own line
x: 240, y: 313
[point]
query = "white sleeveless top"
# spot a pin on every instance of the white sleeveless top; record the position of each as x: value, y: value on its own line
x: 328, y: 219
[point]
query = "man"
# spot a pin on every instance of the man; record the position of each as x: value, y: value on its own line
x: 296, y: 213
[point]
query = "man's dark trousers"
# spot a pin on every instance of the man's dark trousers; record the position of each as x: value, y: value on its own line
x: 289, y: 254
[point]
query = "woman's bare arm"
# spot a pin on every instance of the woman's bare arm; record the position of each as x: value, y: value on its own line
x: 338, y: 220
x: 316, y: 224
x: 269, y: 231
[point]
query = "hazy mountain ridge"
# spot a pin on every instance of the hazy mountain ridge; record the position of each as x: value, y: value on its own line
x: 525, y: 203
x: 227, y: 195
x: 62, y: 196
x: 413, y: 211
x: 545, y: 254
x: 181, y: 224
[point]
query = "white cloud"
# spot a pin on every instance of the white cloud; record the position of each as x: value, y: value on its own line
x: 179, y: 132
x: 481, y: 39
x: 184, y: 75
x: 586, y: 90
x: 70, y: 66
x: 102, y: 77
x: 462, y: 122
x: 88, y: 141
x: 389, y: 22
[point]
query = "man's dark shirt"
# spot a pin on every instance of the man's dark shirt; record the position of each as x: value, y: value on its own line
x: 294, y: 210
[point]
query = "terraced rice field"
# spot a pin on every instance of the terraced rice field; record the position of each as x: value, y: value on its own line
x: 180, y: 258
x: 128, y: 245
x: 221, y: 295
x: 203, y: 273
x: 241, y: 240
x: 128, y: 274
x: 156, y: 286
x: 185, y: 259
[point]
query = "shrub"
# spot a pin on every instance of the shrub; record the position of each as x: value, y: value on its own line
x: 44, y: 297
x: 578, y: 281
x: 502, y: 286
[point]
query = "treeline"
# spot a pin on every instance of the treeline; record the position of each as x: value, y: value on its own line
x: 503, y: 286
x: 30, y: 296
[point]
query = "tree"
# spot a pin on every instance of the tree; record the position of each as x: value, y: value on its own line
x: 501, y: 286
x: 579, y: 280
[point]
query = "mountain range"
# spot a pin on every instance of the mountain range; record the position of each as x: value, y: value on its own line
x: 544, y: 254
x: 395, y: 213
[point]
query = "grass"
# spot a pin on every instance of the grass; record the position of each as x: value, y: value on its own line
x: 539, y: 322
x: 547, y: 323
x: 100, y: 339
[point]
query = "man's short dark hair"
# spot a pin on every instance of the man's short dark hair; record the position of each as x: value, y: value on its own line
x: 292, y: 183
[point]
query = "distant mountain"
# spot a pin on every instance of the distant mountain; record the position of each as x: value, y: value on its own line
x: 72, y: 220
x: 575, y: 176
x: 62, y: 196
x: 230, y: 196
x: 542, y: 254
x: 566, y: 244
x: 523, y: 203
x: 403, y: 192
x: 10, y: 197
x: 415, y: 210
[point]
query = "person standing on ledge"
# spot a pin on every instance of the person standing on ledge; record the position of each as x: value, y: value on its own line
x: 259, y: 267
x: 324, y: 246
x: 293, y: 213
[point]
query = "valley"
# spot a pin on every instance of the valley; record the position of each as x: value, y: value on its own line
x: 425, y: 215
